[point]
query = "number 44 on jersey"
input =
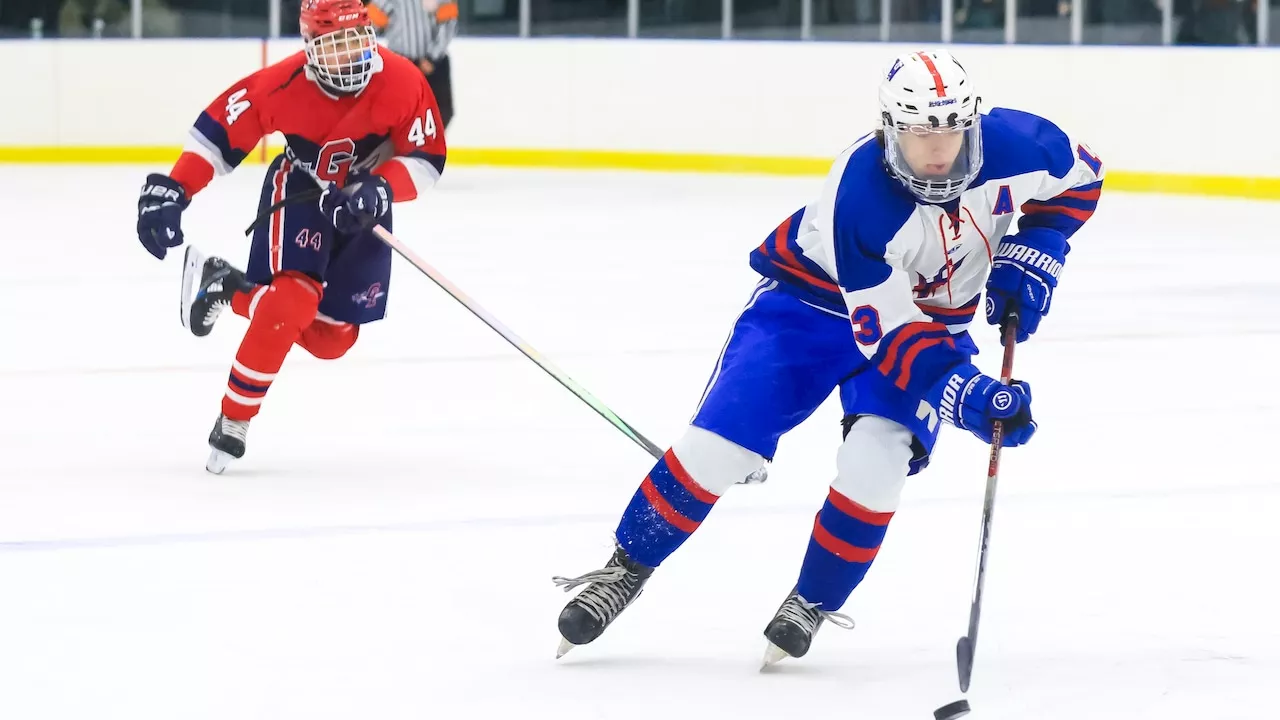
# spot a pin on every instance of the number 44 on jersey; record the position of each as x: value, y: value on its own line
x: 422, y: 129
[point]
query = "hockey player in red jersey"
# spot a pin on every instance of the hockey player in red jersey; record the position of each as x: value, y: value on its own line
x: 362, y: 129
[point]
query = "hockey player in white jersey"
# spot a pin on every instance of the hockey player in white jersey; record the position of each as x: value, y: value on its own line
x: 870, y: 290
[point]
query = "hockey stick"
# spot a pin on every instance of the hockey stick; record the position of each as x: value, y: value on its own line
x: 434, y: 275
x: 966, y: 646
x: 456, y: 293
x: 296, y: 198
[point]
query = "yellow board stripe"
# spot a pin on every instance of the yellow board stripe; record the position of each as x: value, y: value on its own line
x: 89, y: 155
x: 623, y: 160
x: 1263, y: 188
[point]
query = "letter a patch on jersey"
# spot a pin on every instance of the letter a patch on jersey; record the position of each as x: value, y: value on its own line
x: 1004, y: 202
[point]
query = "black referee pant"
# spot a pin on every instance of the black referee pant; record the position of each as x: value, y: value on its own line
x: 442, y: 85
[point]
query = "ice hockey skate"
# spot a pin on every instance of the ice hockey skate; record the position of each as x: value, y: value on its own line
x: 227, y: 442
x: 610, y: 590
x: 208, y: 283
x: 792, y: 629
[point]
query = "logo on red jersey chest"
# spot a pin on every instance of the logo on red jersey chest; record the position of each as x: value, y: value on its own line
x: 334, y: 161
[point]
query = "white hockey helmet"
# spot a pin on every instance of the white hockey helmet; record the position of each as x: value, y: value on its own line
x: 932, y: 134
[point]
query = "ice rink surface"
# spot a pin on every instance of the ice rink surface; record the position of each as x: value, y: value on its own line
x: 385, y: 548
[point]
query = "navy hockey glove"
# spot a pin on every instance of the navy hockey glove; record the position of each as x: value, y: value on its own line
x: 972, y: 401
x: 160, y: 207
x: 358, y: 206
x: 1024, y: 273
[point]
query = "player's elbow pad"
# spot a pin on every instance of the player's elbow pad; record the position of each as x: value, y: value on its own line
x: 914, y: 355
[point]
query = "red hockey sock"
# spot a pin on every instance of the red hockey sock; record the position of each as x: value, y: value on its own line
x: 328, y: 339
x: 282, y: 310
x: 325, y: 338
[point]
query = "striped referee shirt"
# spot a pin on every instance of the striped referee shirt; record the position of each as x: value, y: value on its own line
x: 419, y: 29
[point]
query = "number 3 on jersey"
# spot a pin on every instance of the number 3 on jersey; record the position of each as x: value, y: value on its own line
x: 422, y: 129
x: 866, y: 322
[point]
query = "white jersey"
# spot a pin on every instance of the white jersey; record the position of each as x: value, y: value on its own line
x: 910, y: 275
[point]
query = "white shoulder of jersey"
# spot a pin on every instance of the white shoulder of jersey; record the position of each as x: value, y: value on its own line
x: 820, y: 215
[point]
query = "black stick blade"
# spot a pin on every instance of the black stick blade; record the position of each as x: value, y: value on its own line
x: 951, y: 711
x: 964, y: 662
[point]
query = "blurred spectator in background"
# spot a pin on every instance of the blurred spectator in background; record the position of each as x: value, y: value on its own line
x: 22, y: 18
x: 1211, y: 22
x: 847, y: 11
x: 84, y: 18
x: 421, y: 30
x: 1124, y: 12
x: 980, y: 13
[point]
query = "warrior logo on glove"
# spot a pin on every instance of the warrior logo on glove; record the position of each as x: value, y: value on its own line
x: 1002, y: 400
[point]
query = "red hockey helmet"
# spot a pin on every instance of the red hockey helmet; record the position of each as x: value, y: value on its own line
x: 342, y: 49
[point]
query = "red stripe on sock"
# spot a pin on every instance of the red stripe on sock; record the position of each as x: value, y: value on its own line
x: 236, y: 411
x: 840, y: 548
x: 664, y: 508
x: 856, y: 511
x: 683, y: 477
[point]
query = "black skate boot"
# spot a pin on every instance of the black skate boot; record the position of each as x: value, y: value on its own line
x: 792, y: 629
x: 227, y: 441
x: 207, y: 287
x: 609, y: 592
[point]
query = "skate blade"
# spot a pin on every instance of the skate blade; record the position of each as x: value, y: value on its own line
x: 218, y: 462
x: 565, y: 647
x: 772, y: 656
x: 192, y: 274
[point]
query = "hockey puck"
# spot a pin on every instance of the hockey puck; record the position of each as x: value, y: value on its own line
x: 951, y: 711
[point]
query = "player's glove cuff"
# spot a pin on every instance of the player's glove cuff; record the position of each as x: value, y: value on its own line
x: 972, y: 401
x: 1024, y: 274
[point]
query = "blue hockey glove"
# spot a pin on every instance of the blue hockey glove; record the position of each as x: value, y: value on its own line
x: 972, y: 401
x: 358, y: 206
x: 160, y: 207
x: 1024, y: 273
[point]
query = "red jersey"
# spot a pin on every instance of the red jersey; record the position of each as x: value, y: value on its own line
x: 391, y: 127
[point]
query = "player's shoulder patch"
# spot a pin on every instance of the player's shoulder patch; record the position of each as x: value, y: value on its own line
x: 1015, y: 142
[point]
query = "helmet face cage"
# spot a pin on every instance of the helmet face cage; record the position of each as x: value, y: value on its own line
x: 344, y: 59
x: 942, y: 187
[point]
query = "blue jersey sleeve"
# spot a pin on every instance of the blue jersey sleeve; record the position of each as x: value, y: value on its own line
x: 1068, y: 196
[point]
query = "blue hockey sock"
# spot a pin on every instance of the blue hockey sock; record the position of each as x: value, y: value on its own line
x: 663, y: 513
x: 845, y: 540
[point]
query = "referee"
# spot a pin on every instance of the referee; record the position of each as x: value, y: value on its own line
x: 421, y: 30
